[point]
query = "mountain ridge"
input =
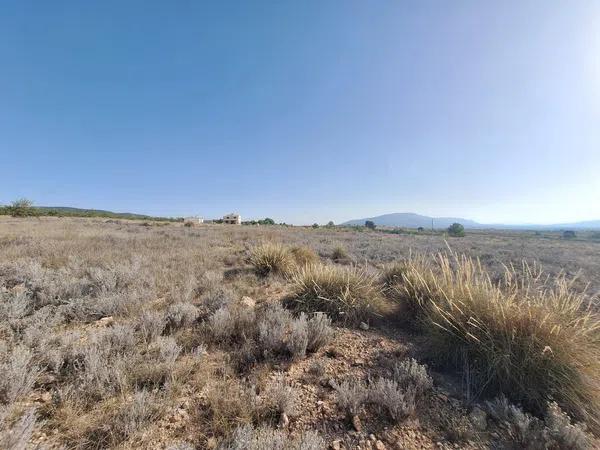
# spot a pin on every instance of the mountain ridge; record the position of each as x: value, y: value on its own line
x: 413, y: 220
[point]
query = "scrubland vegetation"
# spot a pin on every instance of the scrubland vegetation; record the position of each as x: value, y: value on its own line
x: 117, y: 335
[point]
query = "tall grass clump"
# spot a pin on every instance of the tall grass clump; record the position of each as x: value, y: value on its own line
x: 533, y: 341
x: 271, y: 258
x: 411, y: 285
x: 349, y: 294
x: 304, y: 256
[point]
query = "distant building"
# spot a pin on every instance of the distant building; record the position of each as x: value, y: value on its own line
x: 232, y: 219
x: 193, y: 220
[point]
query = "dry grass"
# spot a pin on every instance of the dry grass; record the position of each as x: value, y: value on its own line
x: 270, y: 258
x: 303, y: 255
x: 532, y: 342
x: 107, y: 327
x: 348, y: 294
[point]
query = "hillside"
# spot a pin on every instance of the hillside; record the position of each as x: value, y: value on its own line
x: 411, y: 220
x: 67, y: 211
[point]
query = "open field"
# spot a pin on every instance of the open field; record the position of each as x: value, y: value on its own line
x: 124, y: 334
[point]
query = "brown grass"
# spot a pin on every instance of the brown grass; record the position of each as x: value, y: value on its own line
x: 529, y: 341
x: 349, y: 294
x: 95, y: 314
x: 270, y: 258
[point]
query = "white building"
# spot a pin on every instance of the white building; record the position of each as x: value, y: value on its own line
x: 193, y: 220
x: 233, y: 219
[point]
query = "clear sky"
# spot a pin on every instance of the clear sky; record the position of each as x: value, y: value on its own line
x: 303, y: 111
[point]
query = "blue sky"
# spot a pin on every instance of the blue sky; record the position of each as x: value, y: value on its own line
x: 304, y: 111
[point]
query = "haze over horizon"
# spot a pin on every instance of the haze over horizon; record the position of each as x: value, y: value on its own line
x: 304, y: 112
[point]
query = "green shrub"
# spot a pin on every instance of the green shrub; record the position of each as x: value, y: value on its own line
x: 456, y: 230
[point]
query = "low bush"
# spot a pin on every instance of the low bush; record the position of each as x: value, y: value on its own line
x: 390, y: 398
x: 349, y: 294
x: 319, y: 331
x: 18, y: 373
x: 280, y: 397
x: 521, y: 430
x: 180, y: 315
x: 395, y: 397
x: 267, y: 438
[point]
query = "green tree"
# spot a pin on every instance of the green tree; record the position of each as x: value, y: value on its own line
x: 456, y: 229
x: 315, y: 225
x: 370, y: 224
x: 330, y: 224
x: 21, y: 208
x: 267, y: 221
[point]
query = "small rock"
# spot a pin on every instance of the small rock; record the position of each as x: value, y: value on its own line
x: 336, y: 445
x: 284, y: 421
x: 380, y: 445
x: 364, y: 326
x: 106, y: 321
x: 356, y: 423
x: 248, y: 302
x: 331, y: 383
x: 478, y: 418
x: 211, y: 443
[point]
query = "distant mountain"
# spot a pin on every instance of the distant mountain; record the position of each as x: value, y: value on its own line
x: 411, y: 220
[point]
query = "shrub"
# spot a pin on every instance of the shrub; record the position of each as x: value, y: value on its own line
x: 271, y: 258
x: 319, y: 331
x: 111, y: 424
x: 350, y: 396
x: 234, y: 322
x: 150, y: 325
x: 17, y: 435
x: 280, y: 397
x: 391, y: 398
x: 229, y: 404
x: 370, y: 224
x: 273, y: 329
x: 181, y: 315
x: 456, y: 230
x: 347, y: 294
x: 297, y: 340
x: 21, y: 208
x: 555, y: 432
x: 409, y: 374
x: 531, y: 342
x: 267, y: 438
x: 18, y: 374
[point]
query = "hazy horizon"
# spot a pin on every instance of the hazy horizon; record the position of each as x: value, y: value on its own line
x: 304, y: 112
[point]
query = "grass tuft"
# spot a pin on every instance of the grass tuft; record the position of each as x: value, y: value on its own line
x: 530, y: 341
x: 349, y: 294
x: 270, y: 258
